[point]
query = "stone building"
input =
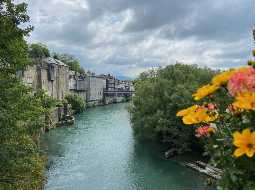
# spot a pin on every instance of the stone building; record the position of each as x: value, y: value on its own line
x: 78, y: 84
x: 95, y: 86
x: 72, y: 81
x: 52, y: 76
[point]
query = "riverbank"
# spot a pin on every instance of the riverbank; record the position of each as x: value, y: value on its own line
x: 100, y: 152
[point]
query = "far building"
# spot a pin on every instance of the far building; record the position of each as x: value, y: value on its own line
x: 95, y: 86
x: 78, y: 84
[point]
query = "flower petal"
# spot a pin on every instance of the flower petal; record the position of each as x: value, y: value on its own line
x: 238, y: 139
x: 250, y: 152
x: 253, y: 138
x: 239, y: 152
x: 246, y: 134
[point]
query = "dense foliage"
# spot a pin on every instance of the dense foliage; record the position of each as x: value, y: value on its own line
x: 228, y: 130
x: 158, y: 96
x: 21, y: 165
x: 77, y: 103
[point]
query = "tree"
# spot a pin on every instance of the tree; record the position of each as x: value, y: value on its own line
x: 21, y: 164
x: 71, y: 61
x: 38, y: 51
x: 159, y: 94
x: 13, y: 48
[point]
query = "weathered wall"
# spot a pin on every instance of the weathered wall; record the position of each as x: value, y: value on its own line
x: 62, y: 81
x: 29, y: 76
x: 95, y: 90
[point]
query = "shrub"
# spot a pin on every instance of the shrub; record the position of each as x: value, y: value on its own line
x: 77, y: 103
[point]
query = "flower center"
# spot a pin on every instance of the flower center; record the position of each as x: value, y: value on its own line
x: 250, y: 146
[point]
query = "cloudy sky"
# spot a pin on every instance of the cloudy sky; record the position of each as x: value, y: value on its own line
x: 126, y: 37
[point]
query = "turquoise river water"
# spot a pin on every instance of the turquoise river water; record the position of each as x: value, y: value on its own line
x: 100, y: 153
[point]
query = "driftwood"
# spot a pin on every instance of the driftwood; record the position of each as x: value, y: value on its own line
x: 199, y: 166
x: 204, y: 168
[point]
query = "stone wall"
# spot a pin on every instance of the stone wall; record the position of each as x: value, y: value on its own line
x: 29, y: 76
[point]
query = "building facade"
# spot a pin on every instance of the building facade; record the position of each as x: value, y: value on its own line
x: 78, y: 84
x: 95, y: 86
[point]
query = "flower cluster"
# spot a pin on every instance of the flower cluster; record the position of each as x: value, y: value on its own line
x: 241, y: 85
x: 226, y: 120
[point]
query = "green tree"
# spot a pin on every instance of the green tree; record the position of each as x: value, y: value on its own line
x: 159, y: 94
x: 21, y: 165
x: 38, y: 51
x: 13, y: 48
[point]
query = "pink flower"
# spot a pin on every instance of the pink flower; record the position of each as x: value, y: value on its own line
x: 211, y: 106
x: 204, y: 131
x: 242, y: 81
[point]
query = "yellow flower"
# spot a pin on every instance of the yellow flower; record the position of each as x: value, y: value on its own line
x: 245, y: 143
x: 187, y: 111
x: 205, y: 91
x: 245, y: 101
x: 198, y: 115
x: 223, y: 77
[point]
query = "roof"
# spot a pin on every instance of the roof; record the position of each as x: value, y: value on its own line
x: 51, y: 60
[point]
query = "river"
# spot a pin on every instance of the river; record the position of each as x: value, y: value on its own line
x: 100, y: 153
